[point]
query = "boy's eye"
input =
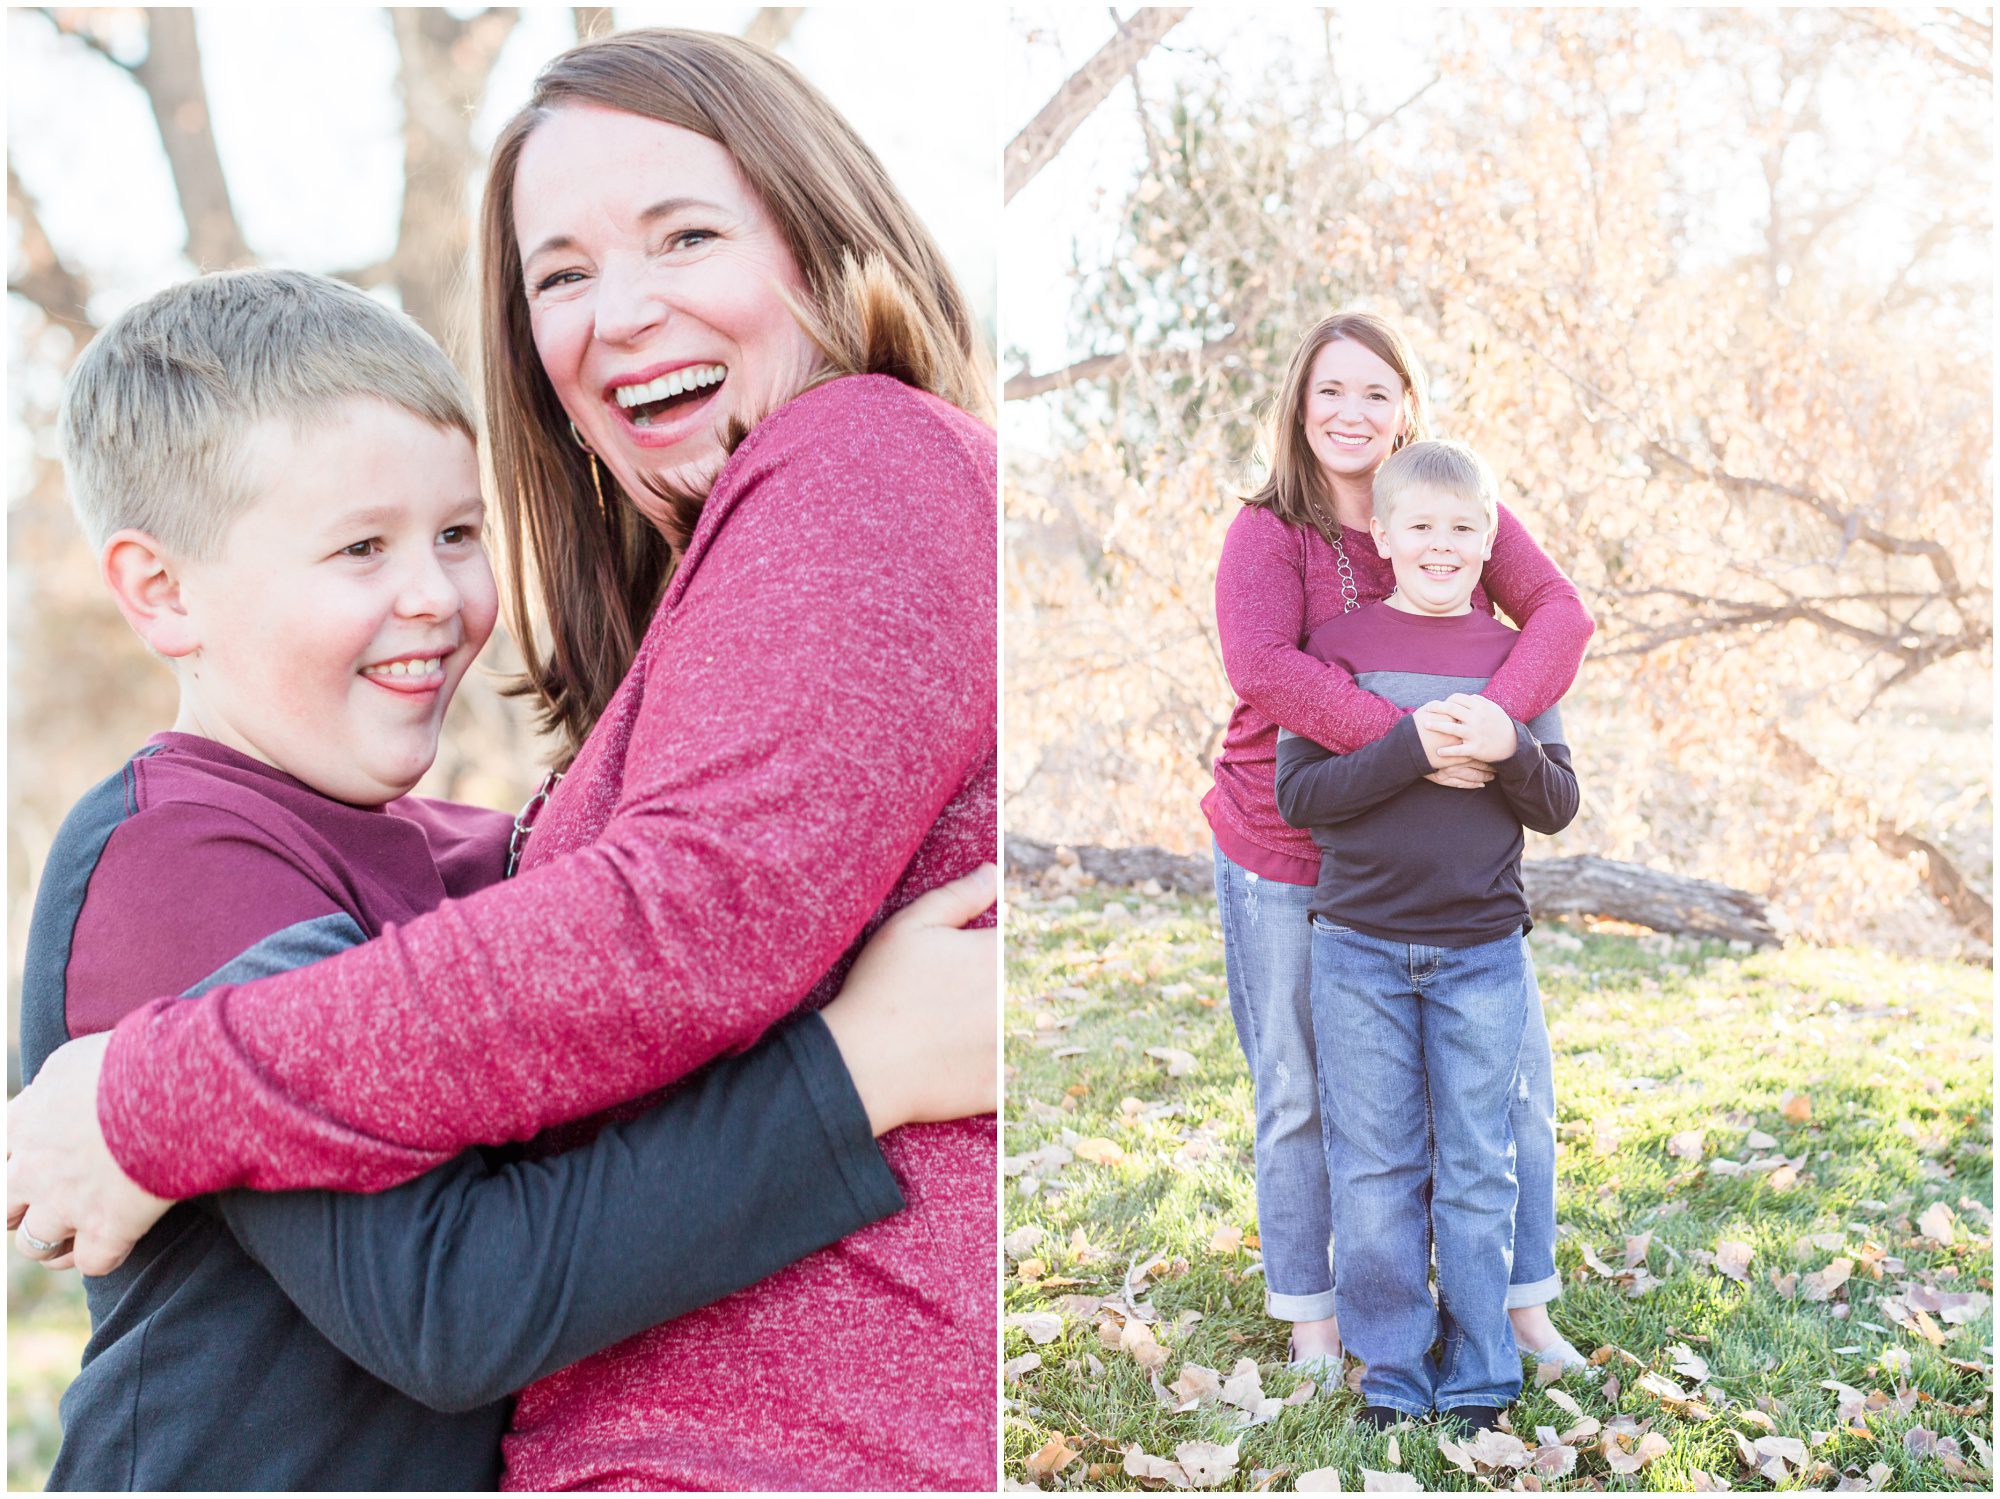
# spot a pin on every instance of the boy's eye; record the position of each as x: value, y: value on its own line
x: 366, y: 548
x: 463, y: 535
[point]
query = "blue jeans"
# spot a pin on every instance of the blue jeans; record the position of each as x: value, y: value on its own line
x: 1445, y: 1024
x: 1267, y: 956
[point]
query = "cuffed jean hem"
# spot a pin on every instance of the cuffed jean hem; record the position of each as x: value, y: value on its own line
x: 1537, y: 1293
x: 1496, y: 1401
x: 1314, y: 1308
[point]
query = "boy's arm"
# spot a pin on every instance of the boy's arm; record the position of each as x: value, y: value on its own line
x: 1538, y: 780
x: 1555, y: 626
x: 473, y: 1280
x: 1317, y: 788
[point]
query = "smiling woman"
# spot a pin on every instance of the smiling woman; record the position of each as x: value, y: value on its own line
x: 736, y: 413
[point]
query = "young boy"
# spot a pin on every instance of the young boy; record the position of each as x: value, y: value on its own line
x: 1420, y: 979
x: 280, y: 477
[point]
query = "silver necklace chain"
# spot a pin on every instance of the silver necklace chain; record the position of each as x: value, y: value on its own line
x: 1350, y: 596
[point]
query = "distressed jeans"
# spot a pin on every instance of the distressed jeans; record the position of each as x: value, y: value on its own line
x: 1421, y: 1152
x: 1267, y: 957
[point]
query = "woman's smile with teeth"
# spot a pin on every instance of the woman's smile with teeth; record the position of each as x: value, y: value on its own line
x: 666, y: 388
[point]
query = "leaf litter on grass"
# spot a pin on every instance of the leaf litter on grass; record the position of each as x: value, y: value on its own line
x: 1855, y: 1173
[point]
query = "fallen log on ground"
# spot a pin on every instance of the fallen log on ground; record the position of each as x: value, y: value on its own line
x: 1578, y: 885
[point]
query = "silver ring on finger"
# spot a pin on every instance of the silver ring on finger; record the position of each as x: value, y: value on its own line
x: 41, y: 1246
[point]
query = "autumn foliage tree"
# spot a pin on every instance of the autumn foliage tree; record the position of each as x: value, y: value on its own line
x: 1708, y: 289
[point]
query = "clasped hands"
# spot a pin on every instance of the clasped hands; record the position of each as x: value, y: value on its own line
x: 1464, y: 737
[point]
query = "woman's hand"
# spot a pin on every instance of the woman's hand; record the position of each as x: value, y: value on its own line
x: 918, y: 1020
x: 62, y: 1181
x: 1441, y: 731
x: 1485, y: 731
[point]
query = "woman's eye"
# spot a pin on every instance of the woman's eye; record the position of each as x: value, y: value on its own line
x: 688, y: 239
x: 558, y: 278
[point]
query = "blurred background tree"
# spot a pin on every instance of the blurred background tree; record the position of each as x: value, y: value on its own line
x: 1710, y: 289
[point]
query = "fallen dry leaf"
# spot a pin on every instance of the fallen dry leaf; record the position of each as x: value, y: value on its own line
x: 1179, y: 1063
x: 1023, y: 1240
x: 1041, y: 1327
x: 1686, y: 1361
x: 1548, y: 1372
x: 1821, y: 1284
x: 1395, y: 1452
x: 1100, y: 1150
x: 1796, y: 1107
x: 1055, y: 1455
x: 1732, y: 1258
x: 1206, y: 1463
x: 1791, y: 1449
x: 1304, y: 1392
x: 1565, y: 1401
x: 1687, y: 1144
x: 1014, y: 1368
x: 1244, y: 1388
x: 1142, y: 1464
x: 1319, y: 1481
x: 1227, y: 1240
x: 1373, y: 1482
x: 1937, y: 1222
x: 1758, y: 1140
x: 1197, y: 1382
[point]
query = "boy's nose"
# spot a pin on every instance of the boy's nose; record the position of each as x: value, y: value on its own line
x: 429, y: 591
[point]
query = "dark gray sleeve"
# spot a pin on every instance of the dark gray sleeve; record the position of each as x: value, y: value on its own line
x: 1538, y: 782
x: 475, y: 1279
x: 1317, y: 788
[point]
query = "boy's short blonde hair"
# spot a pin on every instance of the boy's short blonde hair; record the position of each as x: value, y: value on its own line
x: 157, y: 409
x: 1437, y: 463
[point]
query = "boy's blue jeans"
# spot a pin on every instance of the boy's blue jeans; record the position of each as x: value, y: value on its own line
x: 1267, y: 945
x: 1414, y: 1023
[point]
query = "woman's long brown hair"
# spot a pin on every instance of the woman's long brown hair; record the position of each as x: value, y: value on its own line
x: 881, y: 300
x: 1296, y: 486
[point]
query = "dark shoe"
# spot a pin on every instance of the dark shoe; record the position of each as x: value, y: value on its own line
x: 1473, y: 1417
x: 1380, y: 1417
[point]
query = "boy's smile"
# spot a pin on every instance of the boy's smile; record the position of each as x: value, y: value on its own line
x: 345, y: 604
x: 1438, y: 542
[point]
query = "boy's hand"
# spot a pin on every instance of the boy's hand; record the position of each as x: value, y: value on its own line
x: 62, y: 1181
x: 1441, y: 735
x: 918, y: 1021
x: 1485, y: 731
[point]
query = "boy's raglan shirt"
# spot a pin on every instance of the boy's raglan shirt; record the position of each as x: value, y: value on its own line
x: 328, y: 1340
x: 1403, y: 858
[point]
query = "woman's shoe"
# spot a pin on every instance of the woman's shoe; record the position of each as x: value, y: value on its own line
x: 1323, y: 1368
x: 1563, y: 1352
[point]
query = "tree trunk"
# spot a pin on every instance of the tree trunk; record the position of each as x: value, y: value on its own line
x: 441, y: 77
x: 171, y: 77
x: 1580, y: 885
x: 1036, y: 146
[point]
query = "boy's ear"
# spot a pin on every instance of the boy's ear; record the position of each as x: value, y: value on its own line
x: 145, y: 584
x: 1381, y: 536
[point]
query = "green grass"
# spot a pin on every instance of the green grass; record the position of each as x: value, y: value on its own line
x: 1652, y: 1038
x: 47, y: 1326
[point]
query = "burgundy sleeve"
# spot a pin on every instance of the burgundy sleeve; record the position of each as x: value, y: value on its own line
x: 827, y: 685
x: 1555, y: 626
x: 179, y: 891
x: 1260, y: 615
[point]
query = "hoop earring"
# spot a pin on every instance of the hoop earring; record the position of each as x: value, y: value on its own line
x: 596, y: 478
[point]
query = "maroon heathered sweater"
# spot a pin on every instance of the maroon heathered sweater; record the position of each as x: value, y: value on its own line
x: 804, y: 743
x: 1277, y: 584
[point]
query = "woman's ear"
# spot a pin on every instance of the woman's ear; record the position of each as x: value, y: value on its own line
x: 145, y: 584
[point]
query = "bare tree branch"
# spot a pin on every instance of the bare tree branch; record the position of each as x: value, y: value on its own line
x: 772, y: 24
x: 171, y: 77
x: 1037, y: 144
x: 1099, y: 366
x: 591, y: 21
x: 71, y: 24
x: 45, y: 278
